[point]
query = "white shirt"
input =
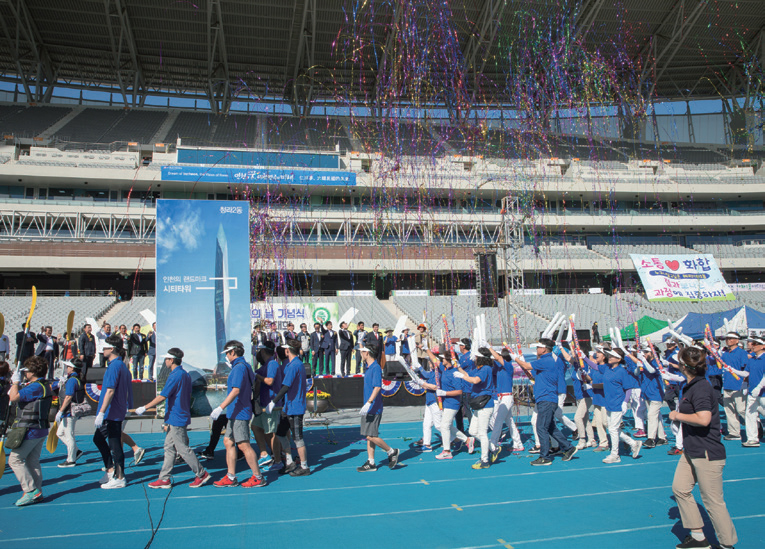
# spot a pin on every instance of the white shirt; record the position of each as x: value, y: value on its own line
x: 5, y: 344
x: 100, y: 340
x: 49, y: 344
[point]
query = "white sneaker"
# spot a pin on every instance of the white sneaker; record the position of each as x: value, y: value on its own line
x: 592, y: 444
x: 138, y: 456
x: 612, y: 459
x: 115, y: 483
x: 636, y: 449
x: 107, y: 477
x: 581, y: 445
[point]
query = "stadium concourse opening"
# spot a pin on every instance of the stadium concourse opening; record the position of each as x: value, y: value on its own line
x: 506, y: 256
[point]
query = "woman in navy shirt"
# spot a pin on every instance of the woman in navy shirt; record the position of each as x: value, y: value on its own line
x: 481, y: 394
x: 703, y: 457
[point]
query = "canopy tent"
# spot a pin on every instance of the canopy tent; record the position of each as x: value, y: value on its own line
x: 744, y: 320
x: 646, y: 326
x: 693, y: 324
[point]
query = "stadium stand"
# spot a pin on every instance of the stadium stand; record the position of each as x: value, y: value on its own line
x: 135, y: 125
x: 31, y: 121
x: 52, y: 311
x: 89, y: 125
x: 194, y: 128
x: 130, y: 313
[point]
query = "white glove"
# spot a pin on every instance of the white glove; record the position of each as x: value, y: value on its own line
x: 216, y: 413
x: 99, y: 420
x: 140, y: 410
x: 459, y: 375
x: 416, y: 366
x: 514, y: 357
x: 270, y: 407
x: 365, y: 409
x: 440, y: 393
x: 16, y: 377
x: 59, y: 415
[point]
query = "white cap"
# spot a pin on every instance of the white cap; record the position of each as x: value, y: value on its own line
x: 613, y: 354
x: 364, y: 349
x: 538, y: 346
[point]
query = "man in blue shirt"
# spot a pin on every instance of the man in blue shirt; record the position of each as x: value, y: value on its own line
x: 116, y: 396
x: 293, y: 392
x: 734, y: 401
x: 371, y: 413
x: 238, y: 406
x: 546, y: 372
x: 755, y: 401
x: 177, y: 393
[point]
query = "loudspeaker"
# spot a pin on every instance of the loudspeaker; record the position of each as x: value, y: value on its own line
x: 395, y: 371
x: 487, y: 280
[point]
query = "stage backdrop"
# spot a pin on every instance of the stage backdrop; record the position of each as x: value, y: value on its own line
x: 203, y: 290
x: 681, y: 278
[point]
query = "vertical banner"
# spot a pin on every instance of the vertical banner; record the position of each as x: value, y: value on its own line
x: 681, y: 278
x: 203, y: 290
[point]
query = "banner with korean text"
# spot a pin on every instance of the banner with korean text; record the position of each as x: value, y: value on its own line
x: 203, y: 291
x: 263, y: 313
x: 682, y: 278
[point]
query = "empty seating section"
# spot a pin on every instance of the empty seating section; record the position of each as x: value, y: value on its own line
x: 307, y: 133
x: 370, y: 309
x: 555, y: 253
x: 753, y: 299
x: 236, y: 130
x: 135, y: 125
x: 31, y: 121
x: 89, y: 125
x: 131, y: 313
x: 623, y: 251
x: 51, y: 311
x: 194, y: 128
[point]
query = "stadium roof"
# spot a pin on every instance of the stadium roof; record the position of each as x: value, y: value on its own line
x: 303, y: 51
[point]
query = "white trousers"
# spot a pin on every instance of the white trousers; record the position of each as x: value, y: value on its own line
x: 447, y: 428
x: 614, y: 429
x: 734, y: 405
x: 65, y: 434
x: 655, y: 422
x: 754, y: 407
x: 503, y: 414
x: 432, y: 419
x: 638, y: 407
x: 479, y: 428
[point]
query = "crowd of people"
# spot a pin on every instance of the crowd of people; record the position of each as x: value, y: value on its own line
x: 470, y: 381
x: 87, y: 346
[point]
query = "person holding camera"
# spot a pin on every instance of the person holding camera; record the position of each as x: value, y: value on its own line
x: 177, y: 393
x: 30, y: 429
x: 74, y: 393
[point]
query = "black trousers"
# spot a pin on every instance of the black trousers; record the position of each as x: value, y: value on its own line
x: 215, y: 431
x: 345, y: 361
x: 87, y: 362
x: 50, y: 358
x: 108, y: 440
x: 318, y: 361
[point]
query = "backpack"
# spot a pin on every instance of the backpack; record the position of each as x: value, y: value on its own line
x: 257, y: 409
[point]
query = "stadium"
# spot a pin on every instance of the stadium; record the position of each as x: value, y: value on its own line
x: 428, y: 160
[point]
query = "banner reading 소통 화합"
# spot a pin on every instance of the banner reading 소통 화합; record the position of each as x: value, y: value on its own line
x: 693, y: 277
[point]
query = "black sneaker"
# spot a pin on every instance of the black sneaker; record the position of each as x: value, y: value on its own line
x: 575, y: 435
x: 732, y: 437
x: 300, y: 472
x: 650, y: 443
x: 555, y: 452
x: 67, y: 464
x: 393, y: 459
x: 239, y: 455
x: 366, y: 467
x: 661, y: 442
x: 568, y: 454
x: 204, y: 456
x: 288, y: 469
x: 535, y: 450
x: 675, y: 452
x: 541, y: 461
x: 690, y: 543
x: 80, y: 453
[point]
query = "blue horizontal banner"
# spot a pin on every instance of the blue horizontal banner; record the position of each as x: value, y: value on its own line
x: 256, y: 175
